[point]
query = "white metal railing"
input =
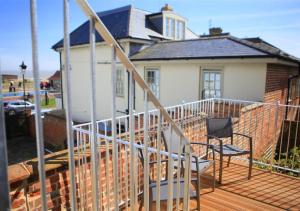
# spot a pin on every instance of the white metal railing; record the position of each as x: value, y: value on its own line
x: 264, y: 122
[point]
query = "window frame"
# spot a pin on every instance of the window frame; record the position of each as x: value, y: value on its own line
x: 118, y: 71
x: 210, y: 70
x: 157, y: 69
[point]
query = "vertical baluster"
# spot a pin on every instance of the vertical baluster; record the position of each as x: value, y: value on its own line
x: 5, y: 189
x: 80, y: 171
x: 275, y: 135
x: 107, y: 164
x: 85, y: 168
x: 126, y: 137
x: 37, y: 100
x: 100, y: 193
x: 170, y: 172
x: 115, y: 144
x: 288, y: 142
x: 94, y: 149
x: 281, y: 136
x: 158, y: 161
x: 146, y: 156
x: 187, y: 177
x: 296, y: 136
x: 178, y: 174
x: 68, y: 105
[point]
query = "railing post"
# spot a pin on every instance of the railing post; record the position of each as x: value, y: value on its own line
x: 275, y: 135
x: 159, y: 122
x: 37, y: 100
x: 146, y: 154
x: 132, y: 142
x: 94, y: 145
x: 113, y: 127
x: 187, y: 177
x: 68, y: 108
x: 4, y: 190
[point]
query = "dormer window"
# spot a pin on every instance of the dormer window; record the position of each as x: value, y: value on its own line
x: 180, y: 30
x: 174, y: 29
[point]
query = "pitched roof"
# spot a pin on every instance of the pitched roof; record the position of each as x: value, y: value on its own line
x: 196, y: 48
x: 123, y: 22
x: 205, y: 48
x: 55, y: 76
x: 265, y: 46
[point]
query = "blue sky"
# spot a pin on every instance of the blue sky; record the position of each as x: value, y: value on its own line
x: 276, y: 21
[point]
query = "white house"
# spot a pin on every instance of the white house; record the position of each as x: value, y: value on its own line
x: 177, y: 64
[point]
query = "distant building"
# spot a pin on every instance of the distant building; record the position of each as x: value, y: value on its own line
x: 9, y: 77
x: 55, y: 81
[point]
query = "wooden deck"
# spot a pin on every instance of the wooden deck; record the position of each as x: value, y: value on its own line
x: 265, y: 191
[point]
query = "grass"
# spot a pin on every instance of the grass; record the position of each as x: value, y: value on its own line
x: 51, y: 103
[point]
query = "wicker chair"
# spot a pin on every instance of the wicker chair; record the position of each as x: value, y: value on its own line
x: 220, y: 128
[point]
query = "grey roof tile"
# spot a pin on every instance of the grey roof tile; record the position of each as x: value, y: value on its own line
x: 122, y: 22
x: 198, y: 48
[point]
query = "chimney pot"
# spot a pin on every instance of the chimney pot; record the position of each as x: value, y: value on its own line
x: 167, y: 7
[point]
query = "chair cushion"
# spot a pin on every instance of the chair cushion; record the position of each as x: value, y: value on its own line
x: 164, y: 190
x: 229, y: 149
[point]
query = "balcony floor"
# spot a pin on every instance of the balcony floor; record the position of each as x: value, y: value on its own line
x: 265, y: 191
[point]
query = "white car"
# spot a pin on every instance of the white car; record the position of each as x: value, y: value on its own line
x: 17, y: 106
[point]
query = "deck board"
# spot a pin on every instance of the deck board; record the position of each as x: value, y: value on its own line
x: 265, y: 191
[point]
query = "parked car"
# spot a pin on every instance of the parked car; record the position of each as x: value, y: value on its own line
x: 17, y: 106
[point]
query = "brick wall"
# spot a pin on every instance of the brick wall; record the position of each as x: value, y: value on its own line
x: 54, y: 125
x: 277, y: 82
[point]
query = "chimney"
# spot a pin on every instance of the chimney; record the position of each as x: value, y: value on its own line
x: 167, y: 7
x: 215, y: 31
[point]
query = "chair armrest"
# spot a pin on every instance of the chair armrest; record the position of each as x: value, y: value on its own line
x: 249, y: 138
x: 240, y: 134
x: 214, y: 137
x: 220, y: 143
x: 207, y: 145
x: 203, y: 144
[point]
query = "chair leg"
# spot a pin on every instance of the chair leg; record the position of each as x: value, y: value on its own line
x: 221, y: 169
x: 198, y: 191
x: 228, y: 162
x: 214, y: 175
x: 250, y: 166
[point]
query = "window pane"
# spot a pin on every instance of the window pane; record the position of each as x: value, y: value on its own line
x: 152, y: 79
x: 206, y: 76
x: 211, y: 83
x: 172, y: 27
x: 120, y: 82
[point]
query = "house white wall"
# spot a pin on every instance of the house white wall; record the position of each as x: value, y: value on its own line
x: 81, y: 83
x: 180, y: 81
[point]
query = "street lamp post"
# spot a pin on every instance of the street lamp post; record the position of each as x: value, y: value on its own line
x: 23, y: 69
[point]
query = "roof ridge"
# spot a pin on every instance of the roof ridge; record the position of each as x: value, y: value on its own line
x: 193, y: 39
x: 248, y: 44
x: 111, y: 11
